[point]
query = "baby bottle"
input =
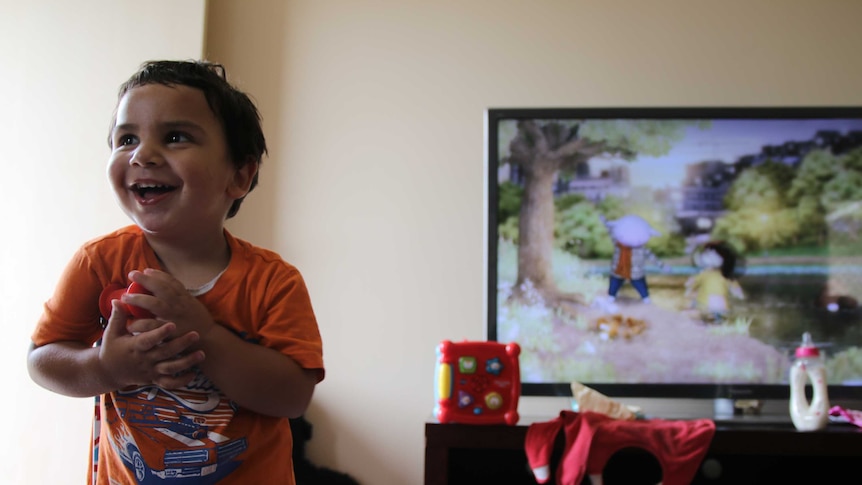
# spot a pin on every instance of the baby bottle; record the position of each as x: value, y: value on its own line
x: 808, y: 364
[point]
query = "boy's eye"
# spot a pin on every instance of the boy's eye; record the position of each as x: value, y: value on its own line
x: 177, y: 137
x: 124, y: 140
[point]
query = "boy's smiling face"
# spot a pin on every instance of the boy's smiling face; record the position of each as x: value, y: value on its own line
x: 170, y: 168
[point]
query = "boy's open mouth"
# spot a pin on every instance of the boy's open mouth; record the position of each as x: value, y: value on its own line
x: 149, y: 191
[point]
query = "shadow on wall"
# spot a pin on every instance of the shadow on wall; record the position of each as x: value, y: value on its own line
x: 306, y: 472
x: 253, y: 58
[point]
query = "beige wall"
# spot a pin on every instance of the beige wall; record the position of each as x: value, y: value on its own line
x: 60, y: 66
x: 374, y: 184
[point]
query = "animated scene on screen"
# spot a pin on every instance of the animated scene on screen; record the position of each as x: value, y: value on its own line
x: 679, y: 251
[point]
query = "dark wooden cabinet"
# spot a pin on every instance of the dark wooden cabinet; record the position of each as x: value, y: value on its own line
x: 739, y: 454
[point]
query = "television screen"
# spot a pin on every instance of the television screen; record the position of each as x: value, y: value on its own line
x: 679, y: 252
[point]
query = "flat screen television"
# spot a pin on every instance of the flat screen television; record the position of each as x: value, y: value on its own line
x: 752, y: 219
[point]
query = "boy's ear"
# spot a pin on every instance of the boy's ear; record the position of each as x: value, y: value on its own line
x: 242, y: 179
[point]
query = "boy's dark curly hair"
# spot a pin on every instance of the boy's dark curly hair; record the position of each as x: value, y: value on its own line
x: 239, y: 116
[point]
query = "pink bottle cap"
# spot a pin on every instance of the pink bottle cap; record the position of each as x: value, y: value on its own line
x: 807, y: 349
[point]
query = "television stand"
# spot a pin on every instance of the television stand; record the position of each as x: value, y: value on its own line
x: 742, y: 452
x: 733, y: 411
x: 749, y: 411
x: 724, y: 408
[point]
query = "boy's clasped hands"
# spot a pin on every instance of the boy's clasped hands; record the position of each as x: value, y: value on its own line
x: 163, y: 350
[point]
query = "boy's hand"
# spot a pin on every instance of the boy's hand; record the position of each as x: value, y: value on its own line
x: 169, y: 301
x: 153, y: 356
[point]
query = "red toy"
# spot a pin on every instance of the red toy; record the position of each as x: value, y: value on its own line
x: 477, y: 383
x: 114, y: 292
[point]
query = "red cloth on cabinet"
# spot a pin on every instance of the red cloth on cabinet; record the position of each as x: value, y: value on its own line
x: 592, y: 438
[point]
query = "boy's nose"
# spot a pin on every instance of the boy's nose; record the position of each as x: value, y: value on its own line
x: 145, y: 155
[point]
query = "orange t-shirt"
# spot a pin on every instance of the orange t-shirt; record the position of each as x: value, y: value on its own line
x: 195, y: 434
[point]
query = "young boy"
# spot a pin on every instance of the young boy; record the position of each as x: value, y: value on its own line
x: 203, y: 390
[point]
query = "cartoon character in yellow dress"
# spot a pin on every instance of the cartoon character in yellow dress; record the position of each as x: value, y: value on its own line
x: 716, y: 282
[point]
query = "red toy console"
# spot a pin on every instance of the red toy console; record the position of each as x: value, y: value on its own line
x: 477, y: 383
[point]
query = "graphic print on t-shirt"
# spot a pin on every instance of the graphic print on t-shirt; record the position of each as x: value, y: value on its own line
x: 168, y: 436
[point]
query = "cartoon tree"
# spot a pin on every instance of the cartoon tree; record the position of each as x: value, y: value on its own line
x: 758, y: 217
x: 846, y: 185
x: 542, y: 150
x: 816, y: 170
